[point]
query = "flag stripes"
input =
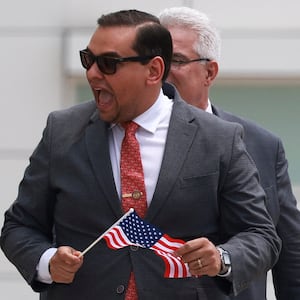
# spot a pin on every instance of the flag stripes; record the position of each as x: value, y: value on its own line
x: 132, y: 230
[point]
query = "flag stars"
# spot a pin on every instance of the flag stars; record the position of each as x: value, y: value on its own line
x: 140, y: 232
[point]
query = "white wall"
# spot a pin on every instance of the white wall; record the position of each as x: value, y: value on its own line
x: 259, y: 37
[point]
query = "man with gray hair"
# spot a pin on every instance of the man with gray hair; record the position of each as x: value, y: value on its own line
x: 196, y: 53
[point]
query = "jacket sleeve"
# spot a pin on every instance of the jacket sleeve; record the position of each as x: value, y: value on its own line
x: 253, y: 243
x: 286, y: 272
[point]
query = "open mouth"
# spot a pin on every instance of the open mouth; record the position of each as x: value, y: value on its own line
x: 104, y: 98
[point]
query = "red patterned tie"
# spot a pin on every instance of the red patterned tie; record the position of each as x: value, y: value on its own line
x: 132, y: 185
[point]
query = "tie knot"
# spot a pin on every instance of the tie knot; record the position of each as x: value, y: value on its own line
x: 130, y: 127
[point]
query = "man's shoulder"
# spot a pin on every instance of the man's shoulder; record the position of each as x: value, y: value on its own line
x: 68, y: 125
x: 194, y: 115
x: 213, y: 123
x: 251, y: 129
x: 82, y: 109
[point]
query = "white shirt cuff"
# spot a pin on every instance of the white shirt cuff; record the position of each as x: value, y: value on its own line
x: 42, y: 268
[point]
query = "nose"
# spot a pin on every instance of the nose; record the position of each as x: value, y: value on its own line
x: 94, y: 71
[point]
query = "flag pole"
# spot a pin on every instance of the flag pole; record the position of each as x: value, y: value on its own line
x: 103, y: 234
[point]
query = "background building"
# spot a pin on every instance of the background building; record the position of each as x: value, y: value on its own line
x: 40, y: 72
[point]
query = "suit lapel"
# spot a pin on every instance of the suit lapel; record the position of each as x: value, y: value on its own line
x: 218, y: 112
x: 98, y: 152
x: 223, y: 114
x: 180, y: 137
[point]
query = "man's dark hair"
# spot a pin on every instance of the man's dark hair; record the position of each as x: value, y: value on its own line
x: 152, y: 39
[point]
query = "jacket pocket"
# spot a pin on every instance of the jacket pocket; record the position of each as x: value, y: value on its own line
x: 202, y: 180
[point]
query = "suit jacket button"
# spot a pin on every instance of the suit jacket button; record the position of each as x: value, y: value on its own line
x: 134, y: 248
x: 120, y: 289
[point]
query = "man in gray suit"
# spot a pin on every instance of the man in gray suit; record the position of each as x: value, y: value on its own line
x: 201, y: 185
x: 195, y: 65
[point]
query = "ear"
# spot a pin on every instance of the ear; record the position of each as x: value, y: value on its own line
x: 156, y: 68
x: 212, y: 68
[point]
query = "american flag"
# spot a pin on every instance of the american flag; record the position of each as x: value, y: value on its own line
x: 132, y: 230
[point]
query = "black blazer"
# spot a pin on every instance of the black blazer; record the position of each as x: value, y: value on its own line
x: 268, y: 153
x: 207, y: 187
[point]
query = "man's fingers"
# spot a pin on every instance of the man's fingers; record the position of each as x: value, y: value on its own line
x: 64, y: 264
x: 189, y: 247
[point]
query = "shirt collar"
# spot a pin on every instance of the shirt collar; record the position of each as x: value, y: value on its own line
x: 209, y: 107
x: 150, y: 119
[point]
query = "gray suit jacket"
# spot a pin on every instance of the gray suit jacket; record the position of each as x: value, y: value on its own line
x: 267, y: 151
x: 207, y: 187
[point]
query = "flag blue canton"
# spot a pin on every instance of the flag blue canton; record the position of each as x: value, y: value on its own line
x: 140, y: 232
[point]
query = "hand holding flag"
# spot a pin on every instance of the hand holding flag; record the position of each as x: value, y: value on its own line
x: 132, y: 230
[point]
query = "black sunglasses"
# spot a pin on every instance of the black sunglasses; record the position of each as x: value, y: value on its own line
x: 107, y: 64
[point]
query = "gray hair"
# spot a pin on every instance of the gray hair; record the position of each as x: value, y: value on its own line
x: 208, y: 44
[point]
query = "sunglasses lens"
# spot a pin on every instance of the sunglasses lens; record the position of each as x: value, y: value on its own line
x: 107, y: 65
x: 87, y: 59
